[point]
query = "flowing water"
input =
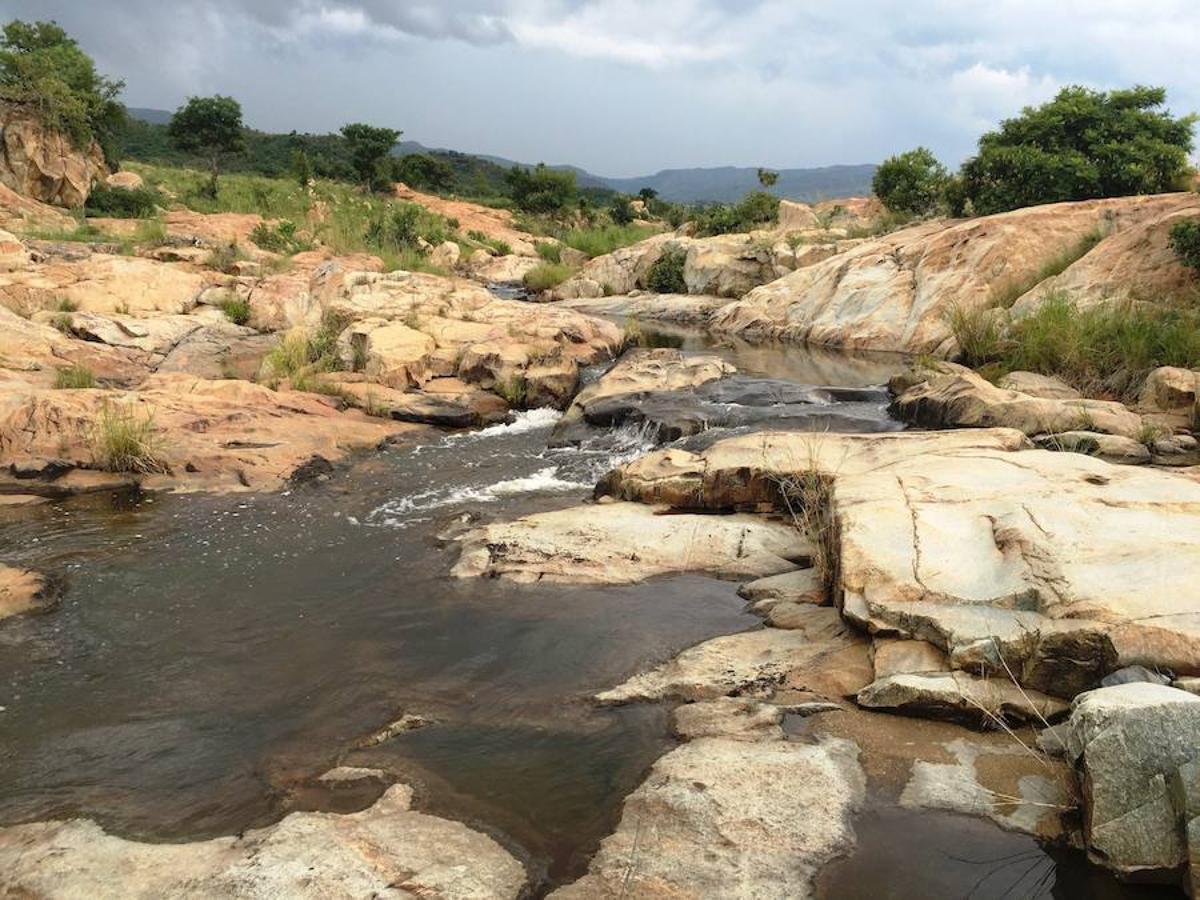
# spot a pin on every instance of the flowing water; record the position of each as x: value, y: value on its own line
x: 212, y: 655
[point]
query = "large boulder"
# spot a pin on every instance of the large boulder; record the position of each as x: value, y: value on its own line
x: 727, y: 265
x: 42, y: 164
x: 1137, y: 747
x: 391, y: 352
x: 896, y: 292
x: 621, y: 271
x: 1052, y: 569
x: 726, y: 816
x: 387, y: 849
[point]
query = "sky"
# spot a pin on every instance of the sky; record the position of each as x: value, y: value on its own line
x: 626, y: 88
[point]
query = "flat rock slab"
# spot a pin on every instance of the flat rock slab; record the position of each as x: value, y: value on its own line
x: 1058, y: 565
x: 819, y: 654
x: 624, y: 543
x: 721, y: 817
x: 385, y: 850
x: 959, y: 696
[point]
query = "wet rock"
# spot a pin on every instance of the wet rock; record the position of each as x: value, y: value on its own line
x: 25, y: 591
x: 407, y: 722
x: 350, y: 776
x: 763, y: 816
x: 820, y: 655
x: 964, y: 399
x: 1057, y: 567
x: 387, y: 849
x: 1045, y: 386
x: 894, y: 292
x: 1133, y: 675
x: 1035, y: 806
x: 1129, y: 742
x: 445, y: 402
x: 959, y: 697
x: 1111, y: 448
x: 624, y: 543
x: 737, y: 718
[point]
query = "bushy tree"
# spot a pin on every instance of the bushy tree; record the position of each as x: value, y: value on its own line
x: 910, y: 182
x: 1083, y: 144
x: 370, y: 147
x: 620, y: 211
x: 1185, y: 241
x: 420, y: 170
x: 767, y: 178
x: 210, y: 127
x: 647, y: 194
x: 541, y: 189
x: 40, y: 64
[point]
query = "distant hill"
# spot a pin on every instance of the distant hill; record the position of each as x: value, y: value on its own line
x: 722, y: 184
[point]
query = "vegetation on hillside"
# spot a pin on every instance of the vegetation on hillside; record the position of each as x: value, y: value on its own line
x: 42, y: 66
x: 1185, y: 241
x: 1082, y: 145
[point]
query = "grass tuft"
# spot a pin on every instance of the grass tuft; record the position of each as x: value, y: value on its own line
x: 122, y: 441
x: 74, y: 378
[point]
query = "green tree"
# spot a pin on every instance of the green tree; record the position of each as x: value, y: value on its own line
x: 541, y: 189
x: 210, y: 127
x: 620, y: 211
x: 647, y: 194
x: 370, y: 148
x: 40, y: 64
x: 301, y: 167
x: 1081, y: 145
x: 420, y: 170
x: 767, y: 178
x: 910, y: 182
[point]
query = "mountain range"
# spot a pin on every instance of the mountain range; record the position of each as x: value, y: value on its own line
x: 721, y: 184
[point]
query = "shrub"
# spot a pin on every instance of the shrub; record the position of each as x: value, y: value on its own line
x: 665, y: 276
x: 755, y: 209
x: 547, y: 275
x: 403, y: 225
x: 282, y: 238
x: 977, y: 332
x: 1185, y: 241
x: 620, y: 211
x: 912, y: 182
x: 223, y: 257
x: 549, y: 252
x: 1082, y: 144
x: 370, y: 148
x: 123, y: 203
x: 541, y: 189
x: 236, y: 309
x: 74, y: 377
x: 123, y: 442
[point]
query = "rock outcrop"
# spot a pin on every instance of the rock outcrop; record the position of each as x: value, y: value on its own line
x: 623, y: 543
x: 1051, y: 568
x: 1138, y: 749
x: 896, y: 292
x: 387, y: 849
x: 42, y: 164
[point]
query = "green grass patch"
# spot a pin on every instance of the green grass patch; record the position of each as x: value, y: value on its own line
x: 123, y: 441
x: 551, y: 253
x: 74, y: 378
x: 665, y: 276
x: 601, y: 239
x: 236, y: 309
x: 547, y: 275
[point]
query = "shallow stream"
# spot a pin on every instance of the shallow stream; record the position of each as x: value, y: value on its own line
x: 213, y: 655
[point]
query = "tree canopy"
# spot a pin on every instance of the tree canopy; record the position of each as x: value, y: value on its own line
x: 370, y: 147
x: 42, y: 65
x: 541, y: 189
x: 910, y: 182
x: 209, y: 126
x: 1082, y: 144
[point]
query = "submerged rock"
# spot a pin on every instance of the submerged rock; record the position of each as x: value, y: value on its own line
x: 723, y: 816
x: 385, y: 850
x: 24, y: 591
x: 623, y: 543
